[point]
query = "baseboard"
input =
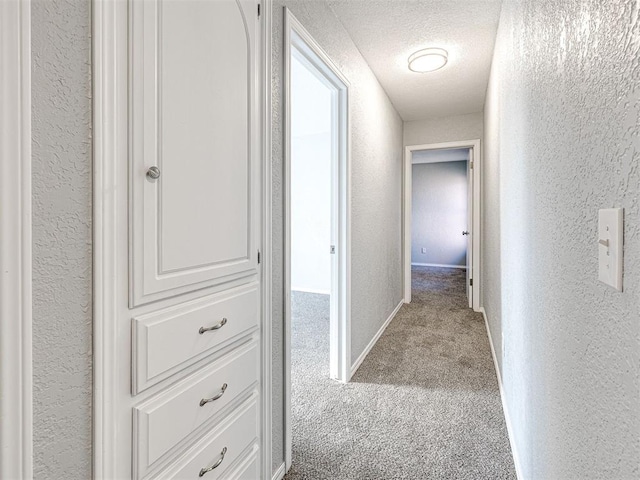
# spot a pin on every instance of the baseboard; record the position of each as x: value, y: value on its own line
x: 505, y: 408
x: 441, y: 265
x: 279, y: 473
x: 310, y: 290
x: 375, y: 338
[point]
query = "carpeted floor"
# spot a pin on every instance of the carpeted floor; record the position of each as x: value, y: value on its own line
x: 423, y: 405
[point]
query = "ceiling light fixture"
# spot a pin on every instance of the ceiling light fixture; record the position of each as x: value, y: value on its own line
x: 428, y: 60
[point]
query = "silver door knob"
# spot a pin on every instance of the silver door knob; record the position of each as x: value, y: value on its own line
x: 465, y: 233
x: 153, y: 173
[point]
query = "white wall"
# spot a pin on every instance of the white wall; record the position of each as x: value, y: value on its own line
x: 445, y: 129
x: 310, y: 182
x: 562, y: 140
x: 62, y: 236
x: 439, y: 213
x: 376, y: 176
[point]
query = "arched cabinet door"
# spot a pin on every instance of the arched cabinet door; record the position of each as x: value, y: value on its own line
x: 194, y: 155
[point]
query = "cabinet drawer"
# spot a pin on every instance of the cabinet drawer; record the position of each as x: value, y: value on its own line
x: 170, y: 340
x: 249, y: 469
x: 166, y: 420
x: 237, y: 438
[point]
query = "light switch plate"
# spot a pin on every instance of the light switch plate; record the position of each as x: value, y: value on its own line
x: 610, y: 247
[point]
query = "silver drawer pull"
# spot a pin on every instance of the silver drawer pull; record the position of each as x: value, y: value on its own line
x: 222, y: 323
x: 215, y: 465
x: 204, y: 401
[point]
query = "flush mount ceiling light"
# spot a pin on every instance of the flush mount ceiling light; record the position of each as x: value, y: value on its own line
x: 428, y: 60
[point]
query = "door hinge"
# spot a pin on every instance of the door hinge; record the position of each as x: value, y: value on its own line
x: 258, y: 10
x: 258, y: 256
x: 332, y: 249
x: 470, y: 164
x: 471, y: 282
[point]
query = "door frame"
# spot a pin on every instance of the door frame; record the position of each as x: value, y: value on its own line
x: 16, y: 378
x: 296, y: 36
x: 266, y: 239
x: 475, y: 159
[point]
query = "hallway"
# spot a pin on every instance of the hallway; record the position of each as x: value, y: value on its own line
x: 424, y: 404
x: 147, y: 179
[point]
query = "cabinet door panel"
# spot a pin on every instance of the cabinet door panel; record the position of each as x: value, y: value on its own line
x: 193, y: 115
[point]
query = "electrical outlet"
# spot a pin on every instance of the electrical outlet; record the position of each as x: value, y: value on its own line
x: 424, y: 250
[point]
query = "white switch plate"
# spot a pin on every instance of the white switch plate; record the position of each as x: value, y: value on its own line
x: 610, y: 247
x: 424, y: 250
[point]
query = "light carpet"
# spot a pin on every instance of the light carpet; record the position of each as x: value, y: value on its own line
x: 424, y: 404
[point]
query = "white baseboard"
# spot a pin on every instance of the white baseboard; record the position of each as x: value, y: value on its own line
x: 280, y: 472
x: 505, y: 408
x: 441, y: 265
x: 375, y: 338
x: 311, y: 290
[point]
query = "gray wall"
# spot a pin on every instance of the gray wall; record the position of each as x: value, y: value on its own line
x: 562, y: 141
x: 445, y: 129
x: 439, y: 213
x: 376, y: 156
x: 62, y: 318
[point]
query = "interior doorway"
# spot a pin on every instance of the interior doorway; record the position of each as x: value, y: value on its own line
x: 442, y: 211
x: 311, y: 180
x: 317, y: 252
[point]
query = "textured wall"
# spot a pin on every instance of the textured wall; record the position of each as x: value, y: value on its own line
x: 445, y: 129
x: 439, y: 213
x: 62, y: 320
x: 562, y: 141
x: 376, y: 156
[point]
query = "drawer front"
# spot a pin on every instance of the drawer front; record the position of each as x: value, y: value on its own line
x: 166, y: 420
x: 168, y: 341
x: 248, y: 469
x: 226, y: 446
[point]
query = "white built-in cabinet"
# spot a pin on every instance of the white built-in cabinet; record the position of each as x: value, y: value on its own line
x: 194, y: 116
x: 178, y: 237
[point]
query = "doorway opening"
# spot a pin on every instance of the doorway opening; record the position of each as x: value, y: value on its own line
x: 317, y: 252
x: 442, y: 213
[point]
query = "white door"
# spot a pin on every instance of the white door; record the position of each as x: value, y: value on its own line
x: 469, y: 232
x: 194, y: 151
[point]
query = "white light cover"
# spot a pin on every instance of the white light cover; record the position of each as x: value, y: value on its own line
x: 428, y: 60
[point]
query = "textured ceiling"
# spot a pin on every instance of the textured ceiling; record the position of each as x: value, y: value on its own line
x: 387, y: 32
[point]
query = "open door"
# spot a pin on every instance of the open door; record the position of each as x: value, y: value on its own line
x: 469, y: 231
x: 473, y: 229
